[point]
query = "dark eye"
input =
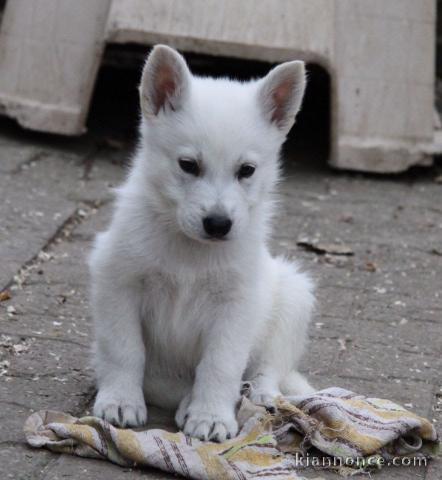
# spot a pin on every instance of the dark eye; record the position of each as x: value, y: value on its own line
x: 245, y: 171
x: 189, y: 166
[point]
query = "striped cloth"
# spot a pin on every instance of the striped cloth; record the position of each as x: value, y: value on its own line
x: 334, y: 428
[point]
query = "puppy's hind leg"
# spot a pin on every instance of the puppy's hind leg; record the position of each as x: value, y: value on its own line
x: 294, y: 383
x: 274, y: 370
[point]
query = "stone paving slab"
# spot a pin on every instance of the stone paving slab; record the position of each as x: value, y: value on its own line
x: 18, y: 462
x: 67, y: 467
x: 36, y: 203
x: 358, y: 339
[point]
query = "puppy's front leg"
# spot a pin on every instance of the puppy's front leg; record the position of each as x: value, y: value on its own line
x: 119, y: 358
x: 208, y: 412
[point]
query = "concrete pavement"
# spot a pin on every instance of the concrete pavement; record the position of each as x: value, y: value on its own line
x: 378, y: 328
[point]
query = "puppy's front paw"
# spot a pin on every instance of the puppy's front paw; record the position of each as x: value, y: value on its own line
x: 205, y: 424
x: 121, y: 408
x: 210, y: 426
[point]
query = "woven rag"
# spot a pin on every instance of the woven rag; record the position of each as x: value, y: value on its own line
x: 334, y: 423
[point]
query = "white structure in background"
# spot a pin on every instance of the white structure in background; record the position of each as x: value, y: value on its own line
x: 380, y: 56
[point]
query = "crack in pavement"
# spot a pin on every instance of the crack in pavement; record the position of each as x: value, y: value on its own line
x: 81, y: 213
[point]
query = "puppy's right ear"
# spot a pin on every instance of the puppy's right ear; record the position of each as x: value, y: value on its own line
x: 165, y: 82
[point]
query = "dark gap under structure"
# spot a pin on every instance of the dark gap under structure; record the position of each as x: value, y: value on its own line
x: 114, y: 108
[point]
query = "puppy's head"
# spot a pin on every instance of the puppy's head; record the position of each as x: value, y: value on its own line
x: 212, y: 145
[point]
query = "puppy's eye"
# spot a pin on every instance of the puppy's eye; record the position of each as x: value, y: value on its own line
x: 189, y: 166
x: 246, y: 170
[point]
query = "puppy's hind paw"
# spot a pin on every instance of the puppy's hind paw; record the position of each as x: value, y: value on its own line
x: 181, y: 413
x: 265, y: 399
x: 121, y: 411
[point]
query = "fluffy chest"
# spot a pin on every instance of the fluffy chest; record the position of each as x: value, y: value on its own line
x: 178, y: 315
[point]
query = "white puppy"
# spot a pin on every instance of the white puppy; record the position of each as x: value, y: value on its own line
x: 187, y: 300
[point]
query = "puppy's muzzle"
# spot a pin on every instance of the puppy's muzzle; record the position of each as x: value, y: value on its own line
x: 217, y: 226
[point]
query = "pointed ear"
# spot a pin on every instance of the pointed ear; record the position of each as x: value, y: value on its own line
x: 165, y: 81
x: 281, y: 93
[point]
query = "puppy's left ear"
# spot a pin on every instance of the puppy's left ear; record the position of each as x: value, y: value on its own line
x: 165, y: 82
x: 281, y: 93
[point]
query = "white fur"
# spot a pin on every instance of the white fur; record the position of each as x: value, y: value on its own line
x: 182, y: 320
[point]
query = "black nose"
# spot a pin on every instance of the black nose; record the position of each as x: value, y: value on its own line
x: 217, y: 226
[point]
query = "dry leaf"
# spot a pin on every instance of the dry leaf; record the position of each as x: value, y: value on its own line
x: 323, y: 248
x: 347, y: 218
x: 371, y: 267
x: 5, y: 295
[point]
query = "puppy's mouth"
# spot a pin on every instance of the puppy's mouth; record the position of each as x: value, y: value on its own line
x: 206, y: 239
x: 209, y: 239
